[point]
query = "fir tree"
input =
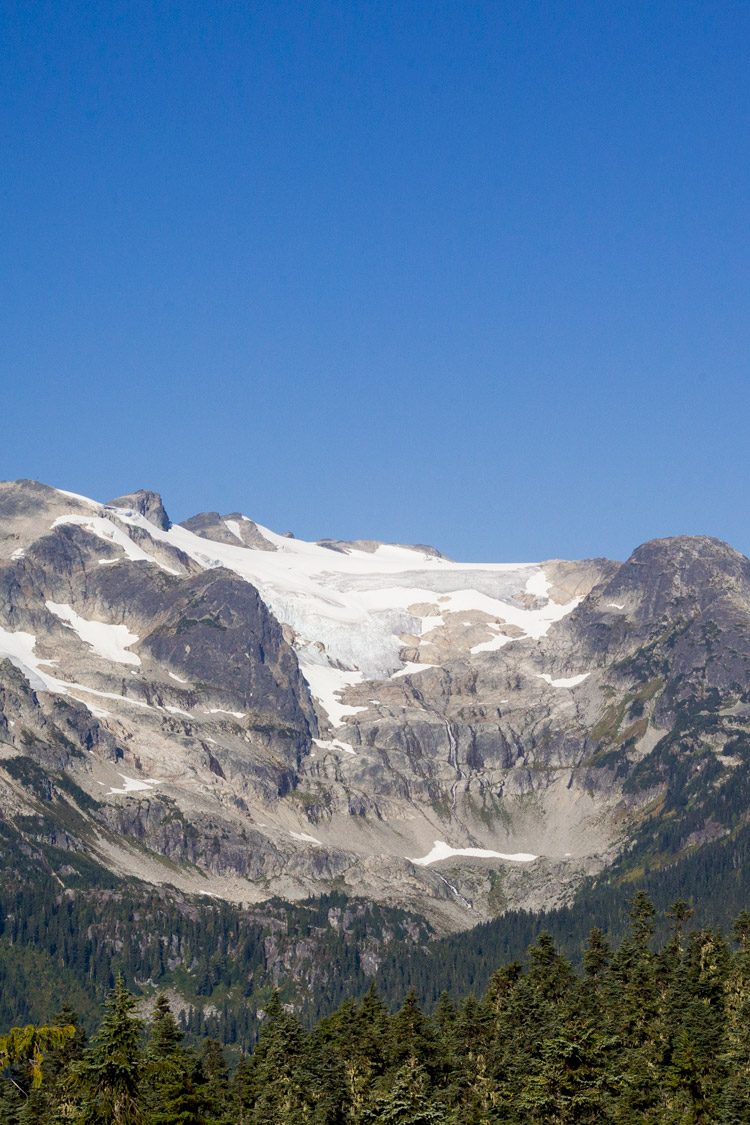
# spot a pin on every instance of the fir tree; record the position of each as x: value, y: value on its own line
x: 110, y: 1072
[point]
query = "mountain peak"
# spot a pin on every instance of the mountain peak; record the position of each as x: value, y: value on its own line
x: 149, y: 504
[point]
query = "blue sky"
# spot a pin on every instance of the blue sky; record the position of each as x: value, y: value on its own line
x: 467, y: 273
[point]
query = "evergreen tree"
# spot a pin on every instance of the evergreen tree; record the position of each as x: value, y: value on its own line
x: 410, y: 1036
x: 735, y: 1101
x: 408, y: 1100
x: 111, y: 1069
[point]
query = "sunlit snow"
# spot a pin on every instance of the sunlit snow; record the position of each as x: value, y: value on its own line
x: 109, y: 641
x: 19, y: 649
x: 411, y: 668
x: 334, y: 744
x: 349, y: 609
x: 441, y: 850
x: 569, y: 681
x: 497, y: 642
x: 104, y: 529
x: 132, y: 785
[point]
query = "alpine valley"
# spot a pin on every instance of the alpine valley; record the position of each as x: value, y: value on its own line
x: 355, y: 747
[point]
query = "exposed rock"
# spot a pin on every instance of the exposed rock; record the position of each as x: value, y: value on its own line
x: 149, y: 504
x: 290, y: 717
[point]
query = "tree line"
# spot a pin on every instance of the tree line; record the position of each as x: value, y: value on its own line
x: 637, y: 1035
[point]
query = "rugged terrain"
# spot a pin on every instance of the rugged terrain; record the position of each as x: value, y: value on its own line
x: 238, y: 713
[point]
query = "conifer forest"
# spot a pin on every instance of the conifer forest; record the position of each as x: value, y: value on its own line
x: 645, y: 1032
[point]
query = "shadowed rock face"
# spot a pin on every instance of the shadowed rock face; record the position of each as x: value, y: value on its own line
x: 535, y: 710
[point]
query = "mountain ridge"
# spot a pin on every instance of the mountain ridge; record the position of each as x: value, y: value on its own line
x: 294, y: 718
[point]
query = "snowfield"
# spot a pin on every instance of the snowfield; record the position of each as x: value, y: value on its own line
x: 349, y: 607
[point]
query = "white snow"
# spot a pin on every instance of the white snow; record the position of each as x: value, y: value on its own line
x: 77, y: 496
x: 441, y: 850
x: 496, y: 642
x: 19, y: 649
x: 99, y: 712
x: 614, y: 605
x: 538, y: 585
x: 19, y: 553
x: 356, y: 603
x: 109, y: 641
x: 327, y: 683
x: 234, y: 527
x: 64, y: 687
x: 303, y: 836
x: 176, y: 711
x: 223, y: 711
x: 570, y: 681
x: 334, y: 744
x: 411, y: 668
x: 349, y: 609
x: 178, y: 678
x: 104, y: 529
x: 132, y: 785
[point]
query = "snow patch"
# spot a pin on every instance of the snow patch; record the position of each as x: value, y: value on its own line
x: 19, y: 649
x: 19, y: 553
x: 234, y: 527
x: 327, y: 683
x: 109, y: 641
x: 497, y: 642
x: 334, y: 744
x: 77, y: 496
x: 538, y: 585
x: 441, y: 850
x: 411, y: 668
x: 132, y: 785
x: 223, y: 711
x: 569, y: 681
x: 178, y: 678
x: 614, y: 605
x: 303, y: 836
x: 104, y: 529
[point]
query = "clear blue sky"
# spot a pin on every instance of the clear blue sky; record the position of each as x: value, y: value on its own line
x: 468, y: 273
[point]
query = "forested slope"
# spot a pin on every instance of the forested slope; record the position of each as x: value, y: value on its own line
x: 635, y: 1036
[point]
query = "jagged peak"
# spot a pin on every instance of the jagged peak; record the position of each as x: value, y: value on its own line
x: 149, y: 504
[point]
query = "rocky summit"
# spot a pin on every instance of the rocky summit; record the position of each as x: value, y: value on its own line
x: 239, y: 713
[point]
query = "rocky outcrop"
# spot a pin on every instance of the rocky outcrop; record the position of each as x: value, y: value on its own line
x: 148, y: 504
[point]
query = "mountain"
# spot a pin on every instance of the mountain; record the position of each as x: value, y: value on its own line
x: 236, y: 713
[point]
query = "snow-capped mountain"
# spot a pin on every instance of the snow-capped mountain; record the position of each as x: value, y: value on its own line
x: 243, y: 713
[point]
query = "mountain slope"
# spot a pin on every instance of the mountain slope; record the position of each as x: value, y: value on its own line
x: 243, y: 714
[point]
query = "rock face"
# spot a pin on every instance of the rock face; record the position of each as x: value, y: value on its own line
x: 214, y: 699
x: 148, y: 504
